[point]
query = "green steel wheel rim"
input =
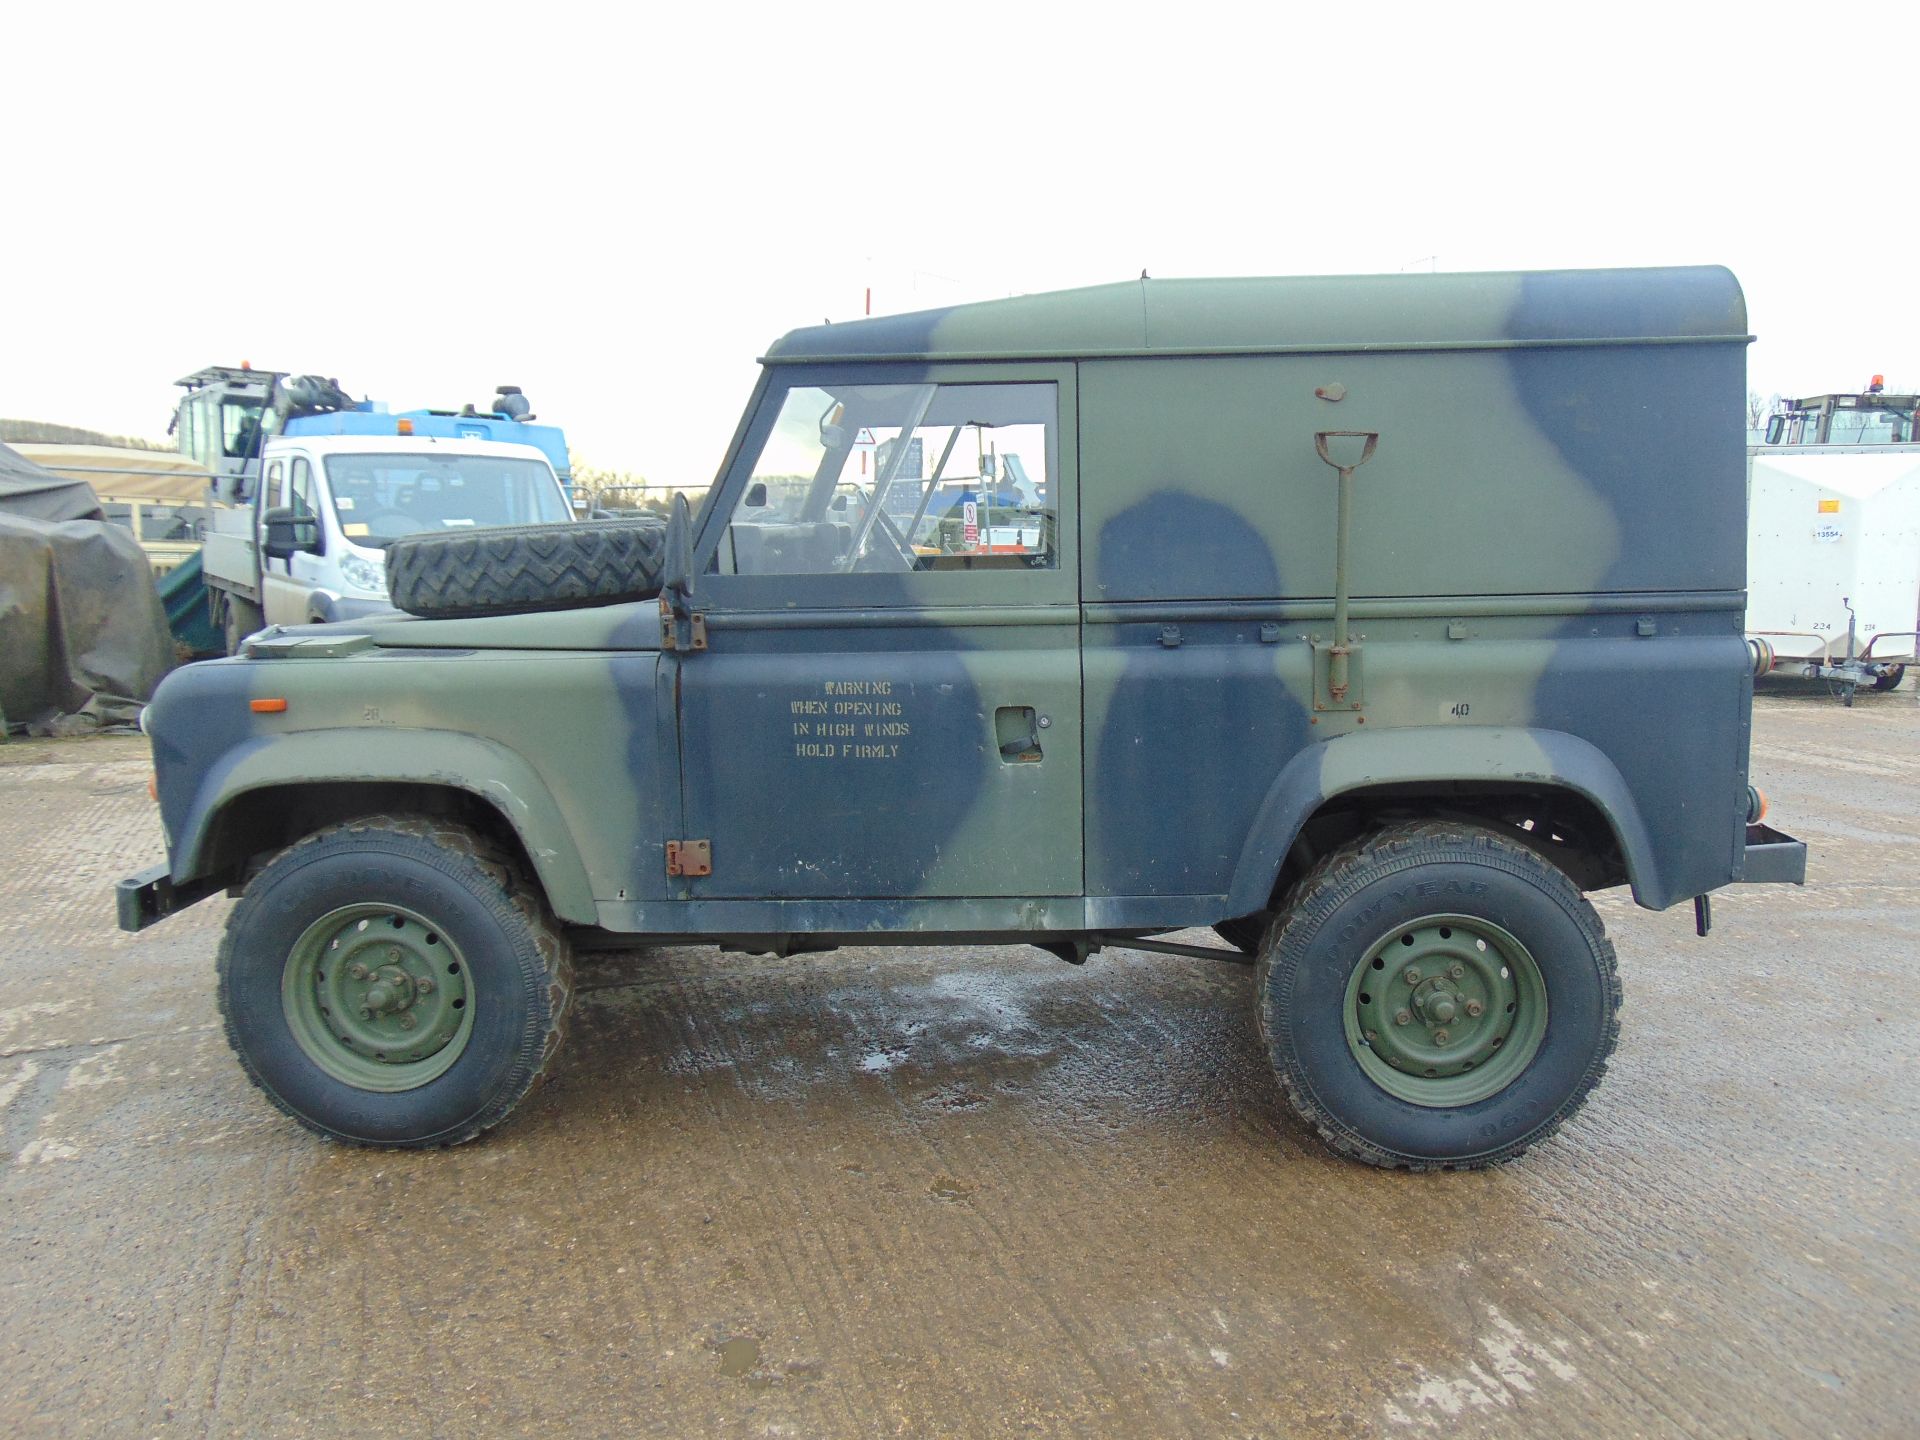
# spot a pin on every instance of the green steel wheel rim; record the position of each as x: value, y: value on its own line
x: 378, y: 997
x: 1445, y: 1011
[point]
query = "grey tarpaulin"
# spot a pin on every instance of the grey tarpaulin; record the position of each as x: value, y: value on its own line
x: 82, y: 630
x: 26, y: 489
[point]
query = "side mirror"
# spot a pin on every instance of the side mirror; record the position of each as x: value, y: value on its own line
x: 676, y: 570
x: 289, y: 534
x: 832, y: 435
x: 1776, y: 427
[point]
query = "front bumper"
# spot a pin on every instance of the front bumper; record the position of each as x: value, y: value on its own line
x: 149, y: 897
x: 1773, y: 858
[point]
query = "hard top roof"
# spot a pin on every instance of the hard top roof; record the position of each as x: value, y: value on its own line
x: 405, y: 444
x: 1307, y: 313
x: 1846, y: 400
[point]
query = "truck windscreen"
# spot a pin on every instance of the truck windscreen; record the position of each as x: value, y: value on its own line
x: 378, y: 498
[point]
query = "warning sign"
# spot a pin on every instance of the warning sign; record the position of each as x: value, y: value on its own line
x: 865, y: 437
x: 970, y: 523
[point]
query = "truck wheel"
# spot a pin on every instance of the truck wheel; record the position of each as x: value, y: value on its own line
x: 394, y: 981
x: 1437, y: 996
x: 1891, y: 679
x: 243, y: 619
x: 518, y: 568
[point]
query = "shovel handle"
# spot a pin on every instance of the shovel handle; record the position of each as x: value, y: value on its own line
x: 1320, y: 438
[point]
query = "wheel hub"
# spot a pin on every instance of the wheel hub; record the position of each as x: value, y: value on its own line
x: 1446, y: 1010
x: 377, y: 997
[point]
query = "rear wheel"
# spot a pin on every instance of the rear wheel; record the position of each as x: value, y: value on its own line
x: 1437, y: 996
x: 243, y: 618
x: 394, y: 981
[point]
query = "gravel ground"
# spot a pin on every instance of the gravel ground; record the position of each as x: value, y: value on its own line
x: 971, y: 1191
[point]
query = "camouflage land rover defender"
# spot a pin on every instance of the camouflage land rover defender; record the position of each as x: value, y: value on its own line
x: 1368, y: 621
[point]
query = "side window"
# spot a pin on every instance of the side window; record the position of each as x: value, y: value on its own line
x: 240, y: 428
x: 276, y: 484
x: 860, y: 478
x: 300, y: 489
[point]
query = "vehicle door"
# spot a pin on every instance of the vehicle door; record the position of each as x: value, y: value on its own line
x: 887, y: 704
x: 287, y: 585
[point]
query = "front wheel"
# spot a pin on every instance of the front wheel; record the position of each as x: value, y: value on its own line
x: 1437, y: 996
x: 394, y: 981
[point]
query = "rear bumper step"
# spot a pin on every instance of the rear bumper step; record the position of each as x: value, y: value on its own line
x: 149, y: 897
x: 1774, y: 858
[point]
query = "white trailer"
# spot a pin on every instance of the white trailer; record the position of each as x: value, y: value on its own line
x: 1833, y: 539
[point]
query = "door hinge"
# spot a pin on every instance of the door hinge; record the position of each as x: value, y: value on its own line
x: 671, y: 633
x: 692, y: 858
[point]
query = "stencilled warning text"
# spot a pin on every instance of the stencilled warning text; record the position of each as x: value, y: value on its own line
x: 849, y: 720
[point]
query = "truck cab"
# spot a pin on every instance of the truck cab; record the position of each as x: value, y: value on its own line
x: 311, y: 487
x: 326, y: 509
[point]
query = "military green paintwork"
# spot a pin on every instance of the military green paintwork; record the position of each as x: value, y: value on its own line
x: 1547, y: 571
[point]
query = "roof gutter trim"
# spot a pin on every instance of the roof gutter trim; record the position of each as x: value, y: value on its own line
x: 1348, y: 347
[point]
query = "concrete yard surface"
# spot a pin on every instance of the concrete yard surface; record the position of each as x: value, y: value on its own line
x: 972, y: 1191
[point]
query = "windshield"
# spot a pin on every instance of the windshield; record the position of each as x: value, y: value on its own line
x: 1868, y: 427
x: 378, y: 498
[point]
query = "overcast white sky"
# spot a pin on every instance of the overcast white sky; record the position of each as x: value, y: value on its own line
x: 618, y: 207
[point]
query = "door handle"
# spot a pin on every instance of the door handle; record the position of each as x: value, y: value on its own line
x: 1016, y: 729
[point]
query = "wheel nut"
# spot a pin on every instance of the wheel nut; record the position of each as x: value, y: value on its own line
x: 1370, y: 1037
x: 365, y: 1013
x: 1458, y: 972
x: 1440, y: 1037
x: 357, y: 971
x: 393, y: 955
x: 1413, y: 974
x: 424, y: 984
x: 406, y: 1022
x: 1402, y: 1017
x: 1474, y: 1007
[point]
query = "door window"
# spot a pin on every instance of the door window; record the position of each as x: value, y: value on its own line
x: 300, y: 489
x: 902, y: 478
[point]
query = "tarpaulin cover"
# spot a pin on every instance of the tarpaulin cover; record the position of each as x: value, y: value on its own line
x: 82, y: 631
x: 26, y: 489
x: 114, y: 470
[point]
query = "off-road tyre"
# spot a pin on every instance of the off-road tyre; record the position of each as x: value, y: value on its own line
x: 518, y: 964
x: 240, y: 618
x: 514, y: 569
x: 1245, y: 932
x: 1354, y: 900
